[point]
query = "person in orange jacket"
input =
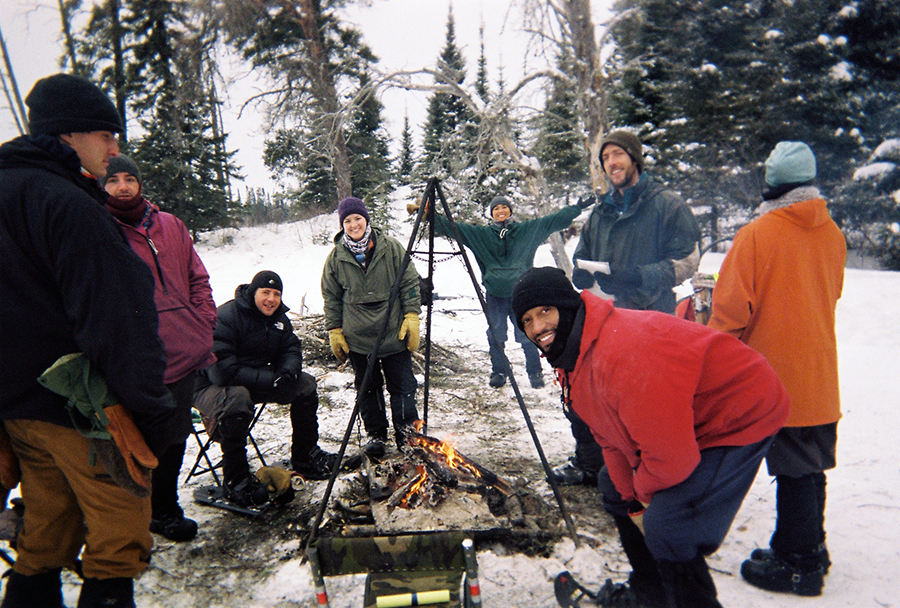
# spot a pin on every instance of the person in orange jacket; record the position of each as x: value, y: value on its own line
x: 777, y: 292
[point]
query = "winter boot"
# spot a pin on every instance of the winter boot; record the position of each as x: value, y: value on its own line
x: 689, y: 584
x: 375, y: 447
x: 786, y: 573
x: 318, y: 465
x: 241, y: 487
x: 107, y: 593
x: 821, y: 553
x: 645, y: 580
x: 497, y: 380
x: 174, y: 526
x: 44, y: 590
x: 536, y: 380
x: 571, y: 473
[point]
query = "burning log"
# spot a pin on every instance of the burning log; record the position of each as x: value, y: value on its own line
x: 453, y: 463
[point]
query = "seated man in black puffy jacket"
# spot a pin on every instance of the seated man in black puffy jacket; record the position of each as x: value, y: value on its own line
x: 259, y: 359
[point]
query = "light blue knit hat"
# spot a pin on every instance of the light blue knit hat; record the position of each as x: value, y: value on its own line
x: 791, y: 162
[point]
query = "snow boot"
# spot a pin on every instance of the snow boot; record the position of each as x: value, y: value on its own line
x: 240, y: 487
x: 318, y: 465
x: 107, y: 593
x: 375, y: 447
x: 536, y: 380
x: 786, y: 573
x: 174, y: 526
x: 645, y: 579
x: 821, y: 554
x: 689, y: 584
x: 44, y: 590
x: 570, y: 473
x: 497, y: 380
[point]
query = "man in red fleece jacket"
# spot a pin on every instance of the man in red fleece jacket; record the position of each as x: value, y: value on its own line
x: 684, y: 414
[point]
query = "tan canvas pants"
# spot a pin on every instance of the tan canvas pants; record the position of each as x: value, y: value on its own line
x: 70, y: 504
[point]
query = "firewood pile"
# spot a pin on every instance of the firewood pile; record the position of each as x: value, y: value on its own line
x: 316, y: 347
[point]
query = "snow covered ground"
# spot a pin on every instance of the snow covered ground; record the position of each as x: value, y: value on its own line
x: 863, y: 491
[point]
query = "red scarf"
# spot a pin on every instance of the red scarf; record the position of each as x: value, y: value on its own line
x: 130, y: 211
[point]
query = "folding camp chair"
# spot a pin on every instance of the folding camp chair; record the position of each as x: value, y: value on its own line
x: 438, y: 569
x: 205, y: 443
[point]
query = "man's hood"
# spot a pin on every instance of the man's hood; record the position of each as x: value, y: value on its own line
x: 803, y: 206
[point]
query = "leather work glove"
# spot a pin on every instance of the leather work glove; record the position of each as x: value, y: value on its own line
x: 139, y: 459
x: 582, y: 279
x: 586, y: 201
x: 636, y: 512
x: 338, y: 342
x: 619, y: 279
x: 10, y: 473
x: 276, y: 479
x: 410, y: 330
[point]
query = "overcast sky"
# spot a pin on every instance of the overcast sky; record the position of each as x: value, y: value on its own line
x: 404, y: 34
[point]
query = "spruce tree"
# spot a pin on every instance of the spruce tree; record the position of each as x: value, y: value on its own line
x: 405, y: 160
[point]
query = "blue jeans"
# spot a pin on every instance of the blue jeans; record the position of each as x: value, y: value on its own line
x: 396, y: 372
x: 692, y: 518
x: 498, y: 311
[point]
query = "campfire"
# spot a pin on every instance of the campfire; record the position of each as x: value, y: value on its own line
x: 431, y: 486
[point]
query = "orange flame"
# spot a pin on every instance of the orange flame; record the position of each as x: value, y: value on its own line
x: 423, y: 475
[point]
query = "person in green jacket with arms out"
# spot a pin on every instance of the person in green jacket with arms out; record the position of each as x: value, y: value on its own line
x: 503, y: 250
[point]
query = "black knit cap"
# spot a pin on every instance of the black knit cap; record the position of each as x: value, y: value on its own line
x: 63, y: 103
x: 545, y: 286
x: 265, y: 279
x: 499, y: 200
x: 627, y: 141
x: 121, y: 164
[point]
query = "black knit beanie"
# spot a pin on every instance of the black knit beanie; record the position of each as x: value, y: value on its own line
x: 545, y: 286
x: 265, y: 278
x: 121, y: 164
x: 627, y: 141
x: 499, y: 200
x: 70, y: 104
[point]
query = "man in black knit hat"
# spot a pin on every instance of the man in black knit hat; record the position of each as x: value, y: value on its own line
x: 259, y: 359
x: 70, y: 283
x: 649, y: 238
x: 684, y: 414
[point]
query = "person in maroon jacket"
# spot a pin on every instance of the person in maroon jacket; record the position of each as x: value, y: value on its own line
x: 187, y: 317
x: 684, y: 414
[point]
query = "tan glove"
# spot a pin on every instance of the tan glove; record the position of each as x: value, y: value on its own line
x: 276, y: 479
x: 410, y: 330
x: 139, y: 459
x: 338, y: 342
x: 636, y: 513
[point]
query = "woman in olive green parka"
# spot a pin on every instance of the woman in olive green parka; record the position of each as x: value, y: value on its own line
x: 356, y: 286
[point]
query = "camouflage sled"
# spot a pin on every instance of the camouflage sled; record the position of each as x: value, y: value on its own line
x: 429, y: 565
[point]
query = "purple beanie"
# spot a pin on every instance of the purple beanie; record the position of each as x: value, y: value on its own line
x: 351, y: 205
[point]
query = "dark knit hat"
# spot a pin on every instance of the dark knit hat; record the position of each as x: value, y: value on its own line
x: 791, y: 162
x: 70, y: 104
x: 351, y: 205
x: 265, y: 278
x: 121, y: 164
x: 627, y: 141
x: 545, y: 286
x: 499, y: 200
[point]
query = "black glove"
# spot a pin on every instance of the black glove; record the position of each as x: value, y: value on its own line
x: 586, y: 201
x: 582, y: 279
x: 619, y: 279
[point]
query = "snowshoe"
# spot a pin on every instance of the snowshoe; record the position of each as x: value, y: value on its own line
x: 570, y: 592
x: 214, y: 496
